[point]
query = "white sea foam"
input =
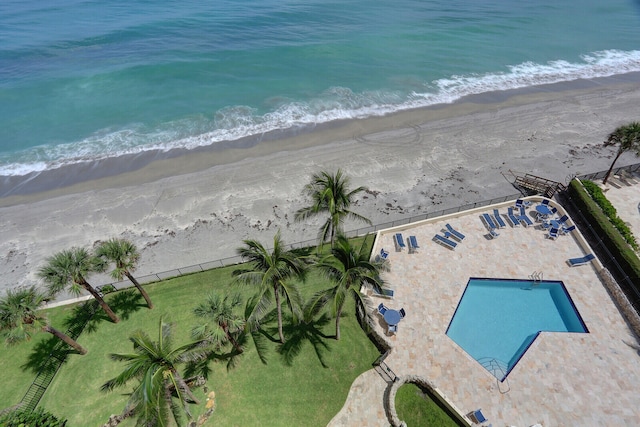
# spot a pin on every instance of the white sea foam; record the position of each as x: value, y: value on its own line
x: 235, y: 122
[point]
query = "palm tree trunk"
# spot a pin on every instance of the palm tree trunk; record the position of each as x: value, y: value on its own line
x: 275, y: 290
x: 185, y: 387
x: 333, y: 235
x: 606, y: 177
x: 67, y: 339
x: 338, y: 314
x: 231, y: 339
x: 140, y: 289
x: 100, y: 300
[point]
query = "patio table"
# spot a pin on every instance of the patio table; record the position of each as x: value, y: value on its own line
x: 392, y: 317
x: 543, y: 210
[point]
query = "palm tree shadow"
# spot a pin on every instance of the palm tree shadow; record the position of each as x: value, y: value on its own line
x: 46, y: 356
x: 298, y: 334
x: 201, y: 367
x: 127, y: 302
x: 85, y: 318
x: 269, y: 326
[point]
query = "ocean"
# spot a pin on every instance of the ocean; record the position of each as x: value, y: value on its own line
x: 82, y: 81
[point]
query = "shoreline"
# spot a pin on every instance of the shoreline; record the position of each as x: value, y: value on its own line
x: 152, y: 165
x: 198, y: 207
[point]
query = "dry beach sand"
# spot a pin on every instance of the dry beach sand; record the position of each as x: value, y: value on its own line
x: 197, y: 207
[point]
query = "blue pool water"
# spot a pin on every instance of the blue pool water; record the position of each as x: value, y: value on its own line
x: 497, y: 319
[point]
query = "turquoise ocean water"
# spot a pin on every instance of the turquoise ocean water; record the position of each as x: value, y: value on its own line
x: 88, y: 80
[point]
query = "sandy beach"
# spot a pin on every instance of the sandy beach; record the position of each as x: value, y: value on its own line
x: 181, y: 209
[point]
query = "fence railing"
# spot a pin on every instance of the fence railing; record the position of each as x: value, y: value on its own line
x: 54, y: 361
x: 361, y: 231
x: 605, y: 256
x: 616, y: 171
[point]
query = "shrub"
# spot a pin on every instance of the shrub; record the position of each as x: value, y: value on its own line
x: 26, y: 418
x: 603, y: 227
x: 598, y: 196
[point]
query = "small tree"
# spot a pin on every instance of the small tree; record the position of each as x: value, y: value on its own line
x: 68, y: 269
x: 125, y: 256
x: 162, y: 395
x: 627, y: 138
x: 330, y: 194
x: 274, y: 273
x: 19, y: 318
x: 221, y: 324
x: 348, y: 268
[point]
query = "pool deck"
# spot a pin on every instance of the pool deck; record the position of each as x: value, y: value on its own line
x: 564, y: 379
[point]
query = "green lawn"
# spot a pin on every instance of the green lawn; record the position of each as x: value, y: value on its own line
x: 418, y: 409
x: 304, y: 385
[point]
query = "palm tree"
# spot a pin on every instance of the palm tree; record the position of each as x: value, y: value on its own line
x: 330, y: 194
x: 125, y: 256
x: 19, y: 318
x: 348, y: 268
x: 68, y: 268
x: 274, y: 273
x: 627, y: 138
x: 226, y: 324
x: 162, y: 394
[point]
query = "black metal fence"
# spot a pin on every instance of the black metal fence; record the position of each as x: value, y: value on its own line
x: 55, y: 359
x: 616, y: 171
x: 606, y: 257
x: 224, y: 262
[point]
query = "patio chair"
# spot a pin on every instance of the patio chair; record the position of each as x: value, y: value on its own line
x: 402, y: 313
x: 554, y: 210
x: 392, y: 329
x: 544, y: 202
x: 573, y: 262
x: 524, y: 218
x: 512, y: 218
x: 455, y: 233
x: 567, y: 230
x: 499, y: 220
x: 383, y: 254
x: 444, y: 241
x: 563, y: 219
x: 413, y: 244
x: 553, y: 233
x: 488, y: 222
x: 399, y: 241
x: 493, y: 234
x: 382, y: 309
x: 477, y: 417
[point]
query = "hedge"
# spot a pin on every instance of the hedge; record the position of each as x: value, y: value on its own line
x: 598, y: 196
x: 611, y: 238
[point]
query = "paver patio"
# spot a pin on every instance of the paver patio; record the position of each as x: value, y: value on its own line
x: 564, y: 379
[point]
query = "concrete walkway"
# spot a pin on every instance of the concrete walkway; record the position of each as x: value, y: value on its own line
x: 364, y: 406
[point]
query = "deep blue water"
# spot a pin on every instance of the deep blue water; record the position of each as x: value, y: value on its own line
x: 82, y: 80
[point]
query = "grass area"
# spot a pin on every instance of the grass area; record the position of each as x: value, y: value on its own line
x: 305, y: 382
x: 418, y: 409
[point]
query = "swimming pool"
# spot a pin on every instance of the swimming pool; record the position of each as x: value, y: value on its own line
x: 497, y: 319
